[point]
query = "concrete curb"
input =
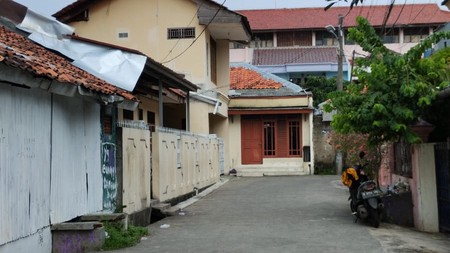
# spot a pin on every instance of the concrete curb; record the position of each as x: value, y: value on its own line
x: 174, y: 210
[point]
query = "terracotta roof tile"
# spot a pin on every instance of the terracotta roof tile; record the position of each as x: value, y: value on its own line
x: 242, y: 78
x: 18, y: 51
x: 318, y: 18
x: 294, y: 55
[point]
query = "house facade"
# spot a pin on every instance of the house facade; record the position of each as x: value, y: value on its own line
x: 270, y: 123
x: 191, y: 37
x: 50, y: 139
x: 302, y: 28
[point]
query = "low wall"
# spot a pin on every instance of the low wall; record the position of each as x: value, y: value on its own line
x: 182, y: 162
x: 324, y: 152
x: 422, y: 184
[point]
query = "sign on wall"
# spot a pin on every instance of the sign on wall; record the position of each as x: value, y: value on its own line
x: 109, y: 176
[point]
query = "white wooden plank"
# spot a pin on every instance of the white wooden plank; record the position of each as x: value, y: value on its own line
x: 24, y: 162
x: 75, y: 159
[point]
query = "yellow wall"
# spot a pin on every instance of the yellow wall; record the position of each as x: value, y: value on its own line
x: 199, y: 116
x: 146, y: 22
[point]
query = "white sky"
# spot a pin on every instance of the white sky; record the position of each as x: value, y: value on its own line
x: 48, y: 7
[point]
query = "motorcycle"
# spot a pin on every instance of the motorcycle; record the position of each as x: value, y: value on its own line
x: 369, y: 205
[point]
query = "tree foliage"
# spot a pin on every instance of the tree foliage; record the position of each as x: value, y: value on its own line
x: 320, y: 86
x: 393, y: 90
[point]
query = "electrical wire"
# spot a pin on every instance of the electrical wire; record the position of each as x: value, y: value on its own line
x: 195, y: 40
x: 190, y: 22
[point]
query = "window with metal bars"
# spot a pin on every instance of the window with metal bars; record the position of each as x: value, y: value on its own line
x: 269, y: 138
x: 294, y: 138
x: 181, y: 33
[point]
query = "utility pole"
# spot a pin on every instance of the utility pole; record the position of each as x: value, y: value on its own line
x: 340, y: 37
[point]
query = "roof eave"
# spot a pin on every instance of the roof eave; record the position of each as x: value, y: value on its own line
x: 221, y: 20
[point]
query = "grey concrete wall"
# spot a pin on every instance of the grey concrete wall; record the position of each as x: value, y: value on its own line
x: 324, y: 152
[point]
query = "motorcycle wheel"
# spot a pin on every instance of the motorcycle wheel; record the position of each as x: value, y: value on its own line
x: 375, y: 218
x: 352, y: 208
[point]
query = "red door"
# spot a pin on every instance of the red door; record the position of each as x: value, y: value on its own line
x: 251, y: 141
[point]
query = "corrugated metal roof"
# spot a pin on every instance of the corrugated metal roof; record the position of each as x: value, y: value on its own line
x: 17, y: 51
x: 294, y: 55
x: 248, y: 80
x: 318, y: 18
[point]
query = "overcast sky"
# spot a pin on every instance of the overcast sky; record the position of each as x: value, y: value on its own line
x: 48, y: 7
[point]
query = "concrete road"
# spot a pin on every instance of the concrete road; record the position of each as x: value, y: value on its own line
x: 279, y: 214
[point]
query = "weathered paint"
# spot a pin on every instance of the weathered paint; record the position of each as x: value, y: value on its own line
x: 77, y: 241
x: 24, y: 162
x: 422, y: 184
x: 148, y: 34
x: 76, y: 171
x: 425, y: 195
x: 197, y: 167
x: 136, y: 193
x: 109, y: 173
x: 40, y: 241
x: 49, y: 165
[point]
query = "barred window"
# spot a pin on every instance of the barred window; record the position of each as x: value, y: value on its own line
x: 294, y: 138
x: 122, y: 35
x: 269, y: 138
x: 181, y: 33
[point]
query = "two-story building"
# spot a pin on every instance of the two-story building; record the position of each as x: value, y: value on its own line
x: 294, y: 43
x: 190, y: 37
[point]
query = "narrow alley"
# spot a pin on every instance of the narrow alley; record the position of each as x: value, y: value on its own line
x: 279, y: 214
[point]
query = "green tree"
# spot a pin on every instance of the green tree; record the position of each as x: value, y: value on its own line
x: 393, y: 90
x: 320, y: 87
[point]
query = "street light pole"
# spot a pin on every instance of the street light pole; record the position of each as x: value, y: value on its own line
x: 340, y: 37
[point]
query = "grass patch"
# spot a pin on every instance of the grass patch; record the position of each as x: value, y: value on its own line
x: 118, y: 238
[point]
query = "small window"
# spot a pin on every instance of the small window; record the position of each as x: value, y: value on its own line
x: 123, y: 35
x: 181, y: 33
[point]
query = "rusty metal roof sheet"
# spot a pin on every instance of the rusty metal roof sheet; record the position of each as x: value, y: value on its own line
x: 17, y: 51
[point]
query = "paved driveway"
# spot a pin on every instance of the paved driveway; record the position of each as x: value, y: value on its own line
x: 279, y: 214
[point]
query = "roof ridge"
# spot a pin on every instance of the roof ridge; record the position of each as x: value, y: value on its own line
x: 338, y: 7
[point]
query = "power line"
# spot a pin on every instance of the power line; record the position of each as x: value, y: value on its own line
x: 204, y: 29
x: 190, y: 22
